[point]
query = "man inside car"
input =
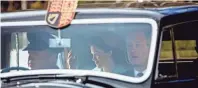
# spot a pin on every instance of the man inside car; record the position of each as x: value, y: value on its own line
x: 41, y: 56
x: 138, y: 52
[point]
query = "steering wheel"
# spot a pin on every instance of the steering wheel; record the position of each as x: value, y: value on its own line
x: 13, y: 68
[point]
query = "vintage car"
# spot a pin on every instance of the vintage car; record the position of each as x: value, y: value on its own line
x: 101, y: 48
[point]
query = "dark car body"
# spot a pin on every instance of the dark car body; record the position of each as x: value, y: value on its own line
x: 165, y: 18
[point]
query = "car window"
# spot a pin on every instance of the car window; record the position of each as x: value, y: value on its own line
x: 166, y: 59
x: 120, y: 48
x: 184, y: 52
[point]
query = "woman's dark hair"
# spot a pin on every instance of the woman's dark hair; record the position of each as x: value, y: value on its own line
x: 119, y: 55
x: 99, y: 43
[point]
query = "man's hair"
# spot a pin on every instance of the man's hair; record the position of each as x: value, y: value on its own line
x: 40, y: 41
x: 147, y: 36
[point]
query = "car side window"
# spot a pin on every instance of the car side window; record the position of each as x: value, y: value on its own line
x: 186, y: 42
x: 166, y: 62
x: 178, y: 53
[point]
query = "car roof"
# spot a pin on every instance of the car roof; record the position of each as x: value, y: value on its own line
x: 83, y: 14
x: 175, y: 10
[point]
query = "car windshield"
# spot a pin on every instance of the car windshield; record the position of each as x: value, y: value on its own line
x: 115, y: 47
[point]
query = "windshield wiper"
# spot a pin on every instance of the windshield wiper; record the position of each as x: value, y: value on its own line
x: 82, y: 80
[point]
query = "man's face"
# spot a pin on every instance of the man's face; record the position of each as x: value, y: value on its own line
x: 100, y: 57
x: 137, y: 49
x: 40, y: 60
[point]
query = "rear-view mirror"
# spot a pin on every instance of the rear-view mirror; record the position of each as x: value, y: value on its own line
x: 59, y: 43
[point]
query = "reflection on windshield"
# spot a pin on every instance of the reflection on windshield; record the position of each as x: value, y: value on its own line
x: 115, y: 48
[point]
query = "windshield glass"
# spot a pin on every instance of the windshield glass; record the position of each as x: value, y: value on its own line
x: 121, y: 48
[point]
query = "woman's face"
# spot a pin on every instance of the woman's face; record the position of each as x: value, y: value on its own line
x: 100, y: 58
